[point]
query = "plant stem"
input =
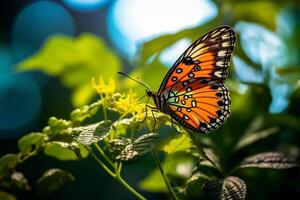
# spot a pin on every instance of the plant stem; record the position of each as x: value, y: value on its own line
x: 104, y: 107
x: 156, y: 159
x: 204, y: 155
x: 103, y: 154
x: 116, y: 175
x: 102, y: 164
x: 129, y: 188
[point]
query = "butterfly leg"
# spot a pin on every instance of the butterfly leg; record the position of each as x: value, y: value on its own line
x: 146, y: 109
x: 154, y: 119
x: 153, y: 109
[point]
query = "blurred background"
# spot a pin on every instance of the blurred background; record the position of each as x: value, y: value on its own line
x: 50, y: 50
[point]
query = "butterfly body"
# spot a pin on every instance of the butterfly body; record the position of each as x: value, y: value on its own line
x: 193, y: 92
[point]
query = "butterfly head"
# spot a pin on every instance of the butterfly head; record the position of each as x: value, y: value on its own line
x: 149, y: 93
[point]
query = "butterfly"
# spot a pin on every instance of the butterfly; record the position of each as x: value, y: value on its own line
x: 193, y: 91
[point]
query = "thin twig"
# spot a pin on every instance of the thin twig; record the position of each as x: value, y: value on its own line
x: 156, y: 159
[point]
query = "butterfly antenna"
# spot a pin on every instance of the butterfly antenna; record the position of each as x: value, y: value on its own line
x: 143, y: 84
x: 142, y: 97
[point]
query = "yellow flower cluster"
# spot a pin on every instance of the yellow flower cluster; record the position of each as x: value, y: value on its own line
x: 124, y: 104
x: 102, y: 88
x: 129, y: 104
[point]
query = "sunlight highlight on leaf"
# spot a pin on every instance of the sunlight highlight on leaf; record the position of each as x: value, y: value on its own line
x: 93, y: 133
x: 126, y: 149
x: 176, y: 143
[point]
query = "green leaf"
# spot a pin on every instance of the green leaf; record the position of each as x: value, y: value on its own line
x: 85, y: 112
x: 7, y: 162
x: 75, y: 62
x: 6, y: 196
x: 271, y: 160
x: 120, y: 127
x: 60, y: 151
x: 80, y: 151
x: 233, y: 188
x: 82, y: 94
x: 94, y: 133
x: 255, y: 132
x: 52, y: 180
x: 124, y: 149
x: 20, y: 181
x: 116, y: 146
x: 154, y: 182
x: 230, y: 188
x: 30, y: 142
x: 58, y: 125
x: 254, y: 11
x: 176, y: 143
x: 250, y: 138
x: 193, y: 186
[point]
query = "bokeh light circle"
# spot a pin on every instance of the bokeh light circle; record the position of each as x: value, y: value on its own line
x: 39, y: 20
x: 132, y: 22
x: 85, y: 5
x: 20, y: 101
x: 169, y: 56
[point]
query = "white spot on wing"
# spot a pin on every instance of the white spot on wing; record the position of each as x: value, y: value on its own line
x: 193, y: 103
x: 215, y: 33
x: 219, y: 63
x: 225, y: 36
x: 225, y: 44
x: 222, y: 53
x: 218, y: 74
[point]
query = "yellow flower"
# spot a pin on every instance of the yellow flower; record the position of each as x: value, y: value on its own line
x: 103, y: 88
x: 129, y: 104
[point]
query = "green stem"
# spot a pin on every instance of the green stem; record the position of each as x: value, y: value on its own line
x: 117, y: 124
x: 117, y: 175
x: 129, y: 188
x: 204, y: 155
x: 156, y: 159
x: 104, y: 107
x: 103, y: 154
x: 102, y: 164
x: 119, y: 168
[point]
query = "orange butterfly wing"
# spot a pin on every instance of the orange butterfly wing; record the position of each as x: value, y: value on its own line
x: 200, y: 106
x: 194, y: 90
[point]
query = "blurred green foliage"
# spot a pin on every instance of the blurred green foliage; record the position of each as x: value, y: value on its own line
x: 262, y: 131
x: 75, y: 62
